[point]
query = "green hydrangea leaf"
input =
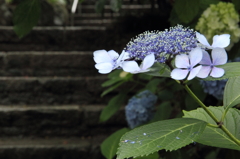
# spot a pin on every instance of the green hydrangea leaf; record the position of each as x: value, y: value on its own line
x: 215, y: 136
x: 167, y: 134
x: 232, y: 92
x: 186, y: 10
x: 110, y: 145
x: 231, y: 70
x: 159, y: 70
x: 113, y: 106
x: 26, y: 16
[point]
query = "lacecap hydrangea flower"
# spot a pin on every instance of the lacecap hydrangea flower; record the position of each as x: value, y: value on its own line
x: 163, y: 44
x: 221, y: 18
x: 139, y: 109
x: 216, y: 88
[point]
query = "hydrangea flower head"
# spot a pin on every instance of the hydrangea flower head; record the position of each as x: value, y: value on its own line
x: 221, y: 18
x: 106, y: 61
x: 185, y: 65
x: 162, y: 44
x: 219, y: 41
x: 139, y: 109
x: 132, y: 66
x: 214, y: 88
x: 219, y: 57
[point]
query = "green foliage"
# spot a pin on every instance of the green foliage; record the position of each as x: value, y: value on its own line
x: 113, y: 106
x: 110, y: 145
x: 163, y: 111
x: 116, y: 79
x: 115, y: 5
x: 213, y: 136
x: 160, y: 70
x: 236, y: 4
x: 26, y: 16
x: 186, y: 10
x: 167, y: 134
x: 152, y: 85
x: 151, y: 156
x: 99, y: 5
x: 230, y: 71
x: 232, y: 93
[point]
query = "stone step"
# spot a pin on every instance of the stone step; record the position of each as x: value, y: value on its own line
x: 57, y: 121
x: 48, y: 63
x: 51, y: 148
x: 52, y: 90
x: 124, y: 8
x: 89, y: 38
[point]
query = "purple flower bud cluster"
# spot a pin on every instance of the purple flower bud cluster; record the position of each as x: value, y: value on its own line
x: 139, y: 109
x: 176, y: 40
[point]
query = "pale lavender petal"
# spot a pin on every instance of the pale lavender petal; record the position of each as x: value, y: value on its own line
x: 148, y: 61
x: 130, y: 66
x: 204, y: 72
x: 113, y: 54
x: 193, y: 73
x: 221, y: 41
x: 104, y: 65
x: 123, y: 56
x: 206, y: 60
x: 219, y: 56
x: 179, y: 74
x: 195, y: 56
x: 201, y: 38
x: 182, y: 61
x: 104, y: 71
x: 217, y: 72
x: 100, y: 56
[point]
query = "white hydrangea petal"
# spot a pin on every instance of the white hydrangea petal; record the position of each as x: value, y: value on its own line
x: 100, y: 56
x: 219, y: 56
x: 221, y: 41
x: 123, y: 56
x: 104, y: 65
x: 130, y: 66
x: 217, y: 72
x: 193, y: 73
x: 182, y: 61
x: 206, y: 60
x: 113, y: 54
x: 195, y: 56
x: 201, y: 38
x: 179, y: 74
x: 204, y: 72
x: 148, y: 61
x: 104, y: 71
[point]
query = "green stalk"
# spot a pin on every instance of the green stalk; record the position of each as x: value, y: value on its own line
x: 224, y: 129
x: 200, y: 103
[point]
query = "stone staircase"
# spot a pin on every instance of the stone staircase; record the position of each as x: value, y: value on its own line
x: 50, y: 105
x: 50, y: 91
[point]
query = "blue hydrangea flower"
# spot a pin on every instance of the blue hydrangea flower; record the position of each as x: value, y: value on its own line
x: 139, y: 109
x: 176, y: 40
x: 214, y: 88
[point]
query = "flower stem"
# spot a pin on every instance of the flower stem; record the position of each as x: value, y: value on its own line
x: 230, y: 135
x: 200, y: 103
x: 220, y: 124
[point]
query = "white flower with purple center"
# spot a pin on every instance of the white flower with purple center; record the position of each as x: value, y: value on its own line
x: 185, y: 65
x: 132, y: 66
x: 219, y: 41
x: 219, y: 57
x: 106, y: 61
